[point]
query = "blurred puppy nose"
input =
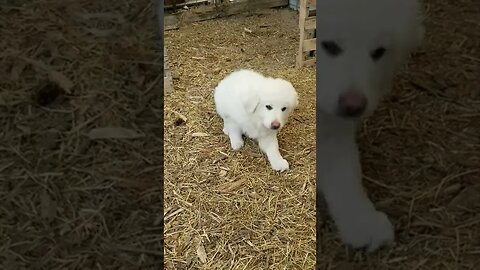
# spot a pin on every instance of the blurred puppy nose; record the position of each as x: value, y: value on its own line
x: 275, y: 125
x: 352, y: 104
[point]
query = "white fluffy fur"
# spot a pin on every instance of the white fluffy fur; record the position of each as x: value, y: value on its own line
x: 242, y: 98
x: 359, y: 27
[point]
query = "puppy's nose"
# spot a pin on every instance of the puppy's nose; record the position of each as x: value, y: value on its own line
x: 352, y: 104
x: 275, y: 125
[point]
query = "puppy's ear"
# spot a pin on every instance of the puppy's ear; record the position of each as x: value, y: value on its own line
x: 295, y: 98
x: 288, y: 88
x: 294, y: 101
x: 420, y: 35
x: 250, y: 101
x: 410, y: 39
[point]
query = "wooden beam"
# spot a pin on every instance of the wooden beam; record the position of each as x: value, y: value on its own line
x: 170, y: 5
x: 309, y: 44
x: 310, y: 62
x: 218, y: 11
x: 311, y: 23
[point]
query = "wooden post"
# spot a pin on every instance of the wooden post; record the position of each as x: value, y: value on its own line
x: 306, y: 24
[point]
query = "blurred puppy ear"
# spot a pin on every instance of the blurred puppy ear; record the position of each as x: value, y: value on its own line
x: 295, y: 94
x: 409, y: 39
x: 420, y: 35
x: 288, y: 85
x: 250, y: 101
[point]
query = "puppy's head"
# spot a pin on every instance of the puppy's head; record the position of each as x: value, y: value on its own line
x: 277, y: 99
x: 360, y: 44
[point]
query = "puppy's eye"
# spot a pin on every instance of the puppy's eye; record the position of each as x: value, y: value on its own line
x: 284, y: 108
x: 331, y: 48
x: 378, y: 53
x: 268, y: 107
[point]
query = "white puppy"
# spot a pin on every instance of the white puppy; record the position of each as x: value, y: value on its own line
x: 361, y: 44
x: 258, y: 107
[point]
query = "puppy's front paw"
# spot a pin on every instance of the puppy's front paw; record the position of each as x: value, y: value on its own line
x: 236, y: 143
x: 371, y: 230
x: 280, y: 165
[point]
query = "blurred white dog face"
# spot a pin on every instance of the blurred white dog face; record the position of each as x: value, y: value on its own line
x: 360, y: 46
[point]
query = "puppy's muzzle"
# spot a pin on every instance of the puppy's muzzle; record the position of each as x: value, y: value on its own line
x: 352, y: 104
x: 275, y: 125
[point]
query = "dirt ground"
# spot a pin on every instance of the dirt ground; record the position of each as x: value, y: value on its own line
x: 227, y: 210
x: 80, y: 136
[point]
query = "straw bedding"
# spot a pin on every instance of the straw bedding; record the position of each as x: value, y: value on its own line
x: 80, y: 136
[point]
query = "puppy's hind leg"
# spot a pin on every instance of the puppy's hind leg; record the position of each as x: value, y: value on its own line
x: 234, y: 133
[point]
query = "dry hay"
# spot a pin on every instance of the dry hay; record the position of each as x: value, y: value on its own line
x: 420, y: 154
x: 70, y: 199
x: 226, y: 209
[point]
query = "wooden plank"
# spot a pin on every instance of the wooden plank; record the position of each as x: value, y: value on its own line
x: 309, y: 44
x: 310, y: 62
x: 295, y: 5
x: 228, y: 9
x: 223, y: 10
x: 182, y: 3
x: 311, y: 23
